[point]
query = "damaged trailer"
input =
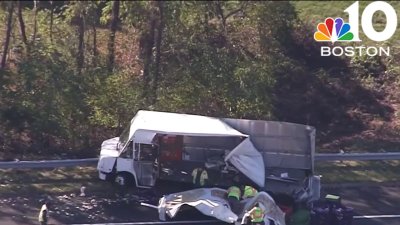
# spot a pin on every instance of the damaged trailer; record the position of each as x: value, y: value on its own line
x: 288, y: 152
x: 275, y: 156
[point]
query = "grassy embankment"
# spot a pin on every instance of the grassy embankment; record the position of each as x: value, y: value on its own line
x: 69, y: 180
x: 359, y: 171
x: 380, y: 135
x: 51, y: 181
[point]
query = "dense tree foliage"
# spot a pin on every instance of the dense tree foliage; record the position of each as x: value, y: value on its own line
x: 74, y: 73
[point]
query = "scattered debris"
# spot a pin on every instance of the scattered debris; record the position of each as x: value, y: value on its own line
x: 83, y: 188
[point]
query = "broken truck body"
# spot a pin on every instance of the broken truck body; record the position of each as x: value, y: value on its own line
x: 276, y: 156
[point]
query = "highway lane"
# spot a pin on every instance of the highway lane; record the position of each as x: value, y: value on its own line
x: 366, y: 199
x: 197, y: 222
x: 140, y: 216
x: 372, y: 199
x: 7, y: 221
x: 369, y: 221
x: 378, y: 221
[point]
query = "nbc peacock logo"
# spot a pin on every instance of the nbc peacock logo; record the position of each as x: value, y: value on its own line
x: 333, y: 30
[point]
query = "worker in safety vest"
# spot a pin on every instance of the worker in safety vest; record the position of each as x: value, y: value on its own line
x: 43, y: 214
x: 249, y: 192
x: 234, y: 194
x: 256, y: 215
x: 200, y: 177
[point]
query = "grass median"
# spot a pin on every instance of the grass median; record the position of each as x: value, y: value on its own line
x: 51, y: 181
x: 69, y: 180
x: 359, y: 171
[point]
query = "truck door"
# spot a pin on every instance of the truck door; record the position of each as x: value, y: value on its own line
x: 146, y: 164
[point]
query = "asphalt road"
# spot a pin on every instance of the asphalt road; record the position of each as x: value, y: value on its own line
x: 355, y: 222
x: 366, y: 199
x: 370, y: 199
x: 377, y: 222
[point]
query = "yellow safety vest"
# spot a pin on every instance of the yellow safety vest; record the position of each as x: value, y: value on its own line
x: 41, y: 216
x: 249, y: 192
x: 257, y: 215
x: 234, y: 192
x: 203, y: 176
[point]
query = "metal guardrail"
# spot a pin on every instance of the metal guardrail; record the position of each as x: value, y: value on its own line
x: 93, y: 161
x: 357, y: 156
x: 48, y: 163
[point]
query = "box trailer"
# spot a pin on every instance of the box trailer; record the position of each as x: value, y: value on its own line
x: 275, y: 156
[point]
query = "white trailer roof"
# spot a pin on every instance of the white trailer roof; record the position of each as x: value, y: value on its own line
x: 180, y: 124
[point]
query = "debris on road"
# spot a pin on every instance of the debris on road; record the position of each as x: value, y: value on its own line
x: 213, y: 202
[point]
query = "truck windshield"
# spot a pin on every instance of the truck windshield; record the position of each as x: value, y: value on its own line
x: 124, y: 137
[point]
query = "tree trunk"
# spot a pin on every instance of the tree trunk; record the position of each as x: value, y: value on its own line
x: 95, y: 54
x: 220, y: 11
x: 87, y: 43
x: 51, y: 21
x: 81, y: 35
x: 207, y: 16
x: 8, y: 34
x: 224, y: 16
x: 35, y: 2
x: 113, y: 30
x: 22, y: 26
x: 157, y: 68
x: 148, y: 44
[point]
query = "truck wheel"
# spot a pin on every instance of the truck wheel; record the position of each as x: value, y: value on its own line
x: 123, y: 179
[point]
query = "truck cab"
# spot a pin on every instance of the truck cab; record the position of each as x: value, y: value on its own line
x: 129, y: 162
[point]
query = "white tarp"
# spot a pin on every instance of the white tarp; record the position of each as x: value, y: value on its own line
x: 249, y: 161
x: 209, y: 201
x: 213, y: 202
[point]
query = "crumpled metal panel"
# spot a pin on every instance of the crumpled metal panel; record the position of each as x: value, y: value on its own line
x: 209, y: 201
x: 285, y: 145
x: 213, y: 202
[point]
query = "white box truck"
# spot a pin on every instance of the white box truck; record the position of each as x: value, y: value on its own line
x: 275, y: 156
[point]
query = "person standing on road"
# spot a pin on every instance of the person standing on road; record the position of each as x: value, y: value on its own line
x: 249, y: 192
x: 234, y: 194
x: 43, y: 214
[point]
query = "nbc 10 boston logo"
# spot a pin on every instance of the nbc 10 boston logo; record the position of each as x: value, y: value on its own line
x: 337, y: 30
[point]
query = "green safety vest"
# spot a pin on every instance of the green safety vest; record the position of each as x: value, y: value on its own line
x: 249, y: 192
x: 257, y: 215
x: 234, y: 192
x: 332, y: 198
